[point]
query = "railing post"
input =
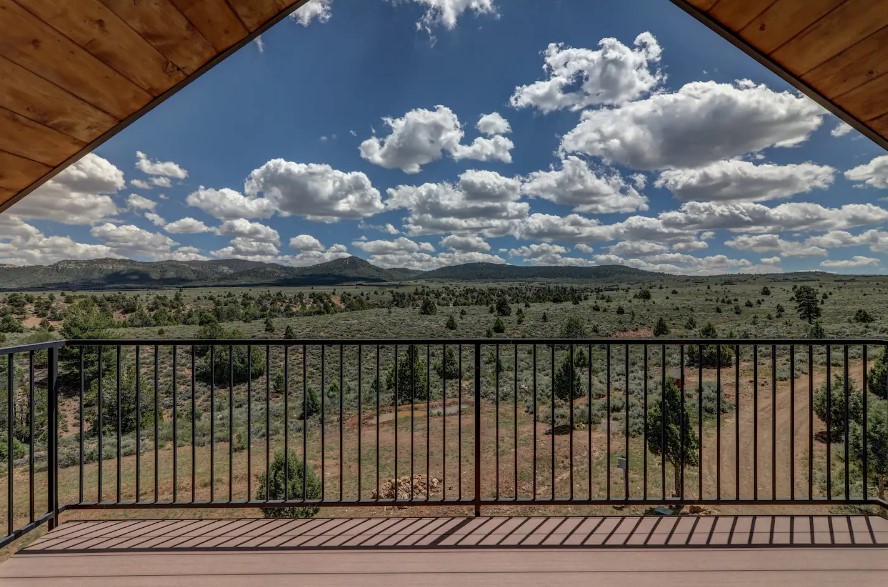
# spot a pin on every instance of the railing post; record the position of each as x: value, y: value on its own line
x: 477, y: 494
x: 52, y: 498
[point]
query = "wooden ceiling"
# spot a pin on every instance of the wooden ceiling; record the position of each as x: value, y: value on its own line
x: 836, y: 51
x: 75, y: 72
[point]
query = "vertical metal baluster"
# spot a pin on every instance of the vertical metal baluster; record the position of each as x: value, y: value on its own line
x: 82, y: 423
x: 570, y: 449
x: 626, y: 426
x: 249, y: 422
x: 773, y: 421
x: 515, y: 417
x: 459, y: 426
x: 552, y: 414
x: 534, y: 422
x: 193, y: 430
x: 792, y: 463
x: 119, y: 425
x: 304, y: 421
x: 444, y: 426
x: 341, y: 406
x: 737, y: 422
x: 755, y: 430
x: 10, y: 448
x: 287, y: 424
x: 101, y: 425
x: 412, y: 356
x: 138, y: 423
x: 212, y: 422
x: 396, y: 421
x: 681, y: 422
x: 608, y: 418
x: 865, y: 448
x: 828, y: 422
x: 429, y: 419
x: 230, y: 423
x: 477, y: 443
x: 588, y: 422
x: 496, y: 426
x: 31, y: 415
x: 810, y: 421
x: 662, y: 420
x: 323, y: 422
x: 644, y: 408
x: 377, y: 422
x: 175, y: 431
x: 847, y: 425
x: 156, y: 422
x: 360, y: 427
x: 700, y: 423
x: 52, y: 423
x: 268, y: 419
x: 718, y: 405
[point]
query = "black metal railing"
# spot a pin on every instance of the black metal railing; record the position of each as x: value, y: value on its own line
x: 303, y: 424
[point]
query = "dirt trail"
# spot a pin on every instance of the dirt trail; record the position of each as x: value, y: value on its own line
x: 792, y: 434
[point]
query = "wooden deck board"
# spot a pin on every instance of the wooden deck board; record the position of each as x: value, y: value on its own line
x: 711, y: 550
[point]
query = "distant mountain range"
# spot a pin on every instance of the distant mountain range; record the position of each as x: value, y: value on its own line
x: 101, y: 274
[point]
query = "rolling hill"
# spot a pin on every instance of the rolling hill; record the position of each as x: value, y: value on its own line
x: 103, y: 274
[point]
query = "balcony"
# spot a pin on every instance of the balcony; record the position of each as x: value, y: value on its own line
x: 426, y: 446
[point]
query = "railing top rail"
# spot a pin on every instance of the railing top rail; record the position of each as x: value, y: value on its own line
x: 37, y: 346
x: 473, y: 341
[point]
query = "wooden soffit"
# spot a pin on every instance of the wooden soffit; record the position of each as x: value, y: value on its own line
x: 75, y: 72
x: 835, y: 51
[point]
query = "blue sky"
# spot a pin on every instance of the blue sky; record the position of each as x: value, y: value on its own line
x: 611, y: 133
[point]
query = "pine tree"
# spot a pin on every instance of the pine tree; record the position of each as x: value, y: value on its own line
x: 669, y: 432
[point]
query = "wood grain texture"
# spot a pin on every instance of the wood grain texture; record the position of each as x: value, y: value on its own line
x: 215, y: 20
x: 38, y: 47
x: 253, y: 13
x: 783, y: 20
x: 17, y: 172
x: 35, y: 98
x: 703, y: 5
x: 868, y: 101
x: 880, y: 125
x: 837, y: 31
x: 736, y: 14
x: 161, y: 24
x: 853, y: 67
x: 90, y: 24
x: 31, y: 140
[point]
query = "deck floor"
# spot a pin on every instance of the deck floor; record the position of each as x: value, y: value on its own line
x: 686, y: 550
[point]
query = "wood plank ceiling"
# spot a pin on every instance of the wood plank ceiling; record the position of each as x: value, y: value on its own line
x: 75, y: 72
x: 836, y: 51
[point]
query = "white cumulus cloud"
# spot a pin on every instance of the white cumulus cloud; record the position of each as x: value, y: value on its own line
x: 187, y: 225
x: 577, y: 78
x: 576, y: 185
x: 314, y: 191
x: 741, y: 181
x: 314, y: 10
x: 163, y: 168
x: 81, y: 194
x: 701, y: 123
x: 228, y: 204
x: 873, y: 174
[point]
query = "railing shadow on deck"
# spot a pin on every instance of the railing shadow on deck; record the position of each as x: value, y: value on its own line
x: 498, y: 532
